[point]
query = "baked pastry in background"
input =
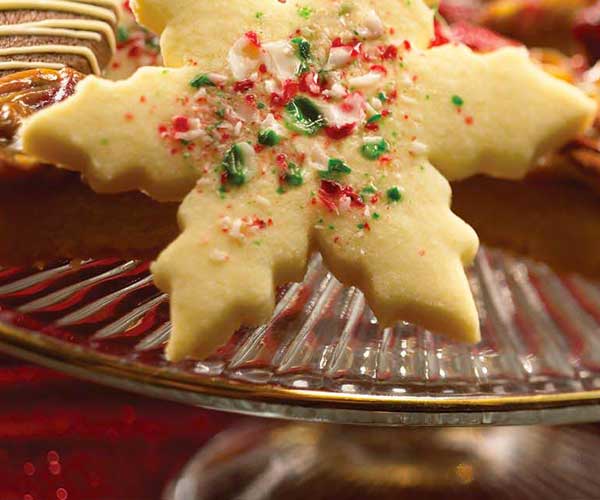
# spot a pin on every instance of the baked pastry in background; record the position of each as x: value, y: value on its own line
x: 47, y: 213
x: 136, y: 46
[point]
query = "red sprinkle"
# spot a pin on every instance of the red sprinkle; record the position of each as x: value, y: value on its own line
x: 181, y: 123
x: 310, y: 83
x: 331, y: 192
x: 259, y: 223
x: 340, y: 132
x: 390, y: 53
x: 253, y: 38
x: 440, y: 38
x: 282, y: 161
x: 243, y: 85
x: 379, y: 68
x: 290, y: 89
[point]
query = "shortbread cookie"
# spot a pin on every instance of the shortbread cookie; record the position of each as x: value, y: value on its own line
x: 298, y: 127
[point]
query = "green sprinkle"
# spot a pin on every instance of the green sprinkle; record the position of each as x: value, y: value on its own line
x: 375, y: 118
x: 220, y: 113
x: 259, y: 15
x: 302, y: 47
x: 201, y: 80
x: 122, y: 34
x: 374, y: 150
x: 234, y: 165
x: 305, y: 12
x: 376, y: 216
x: 268, y: 138
x: 368, y: 190
x: 335, y: 168
x: 361, y: 226
x: 280, y: 190
x: 394, y: 195
x: 303, y: 52
x: 457, y: 100
x: 153, y: 43
x: 261, y: 105
x: 382, y: 96
x: 104, y: 142
x: 294, y: 175
x: 303, y: 116
x: 331, y: 227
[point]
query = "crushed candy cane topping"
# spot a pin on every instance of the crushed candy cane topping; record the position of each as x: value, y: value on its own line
x: 280, y: 108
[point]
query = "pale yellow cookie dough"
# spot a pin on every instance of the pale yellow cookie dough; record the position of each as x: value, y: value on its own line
x: 388, y: 228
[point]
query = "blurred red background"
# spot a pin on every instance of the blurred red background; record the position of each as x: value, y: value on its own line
x: 63, y: 438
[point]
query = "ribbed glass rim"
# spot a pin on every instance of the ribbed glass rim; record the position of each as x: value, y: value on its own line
x: 300, y: 404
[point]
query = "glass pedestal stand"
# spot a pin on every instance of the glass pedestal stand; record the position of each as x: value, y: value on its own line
x: 323, y: 359
x: 323, y: 462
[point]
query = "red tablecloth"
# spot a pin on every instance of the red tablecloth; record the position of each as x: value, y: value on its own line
x: 62, y: 438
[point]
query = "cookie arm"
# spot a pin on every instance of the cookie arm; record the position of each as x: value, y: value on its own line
x: 222, y: 271
x: 110, y: 132
x: 410, y: 261
x: 203, y: 30
x: 493, y: 113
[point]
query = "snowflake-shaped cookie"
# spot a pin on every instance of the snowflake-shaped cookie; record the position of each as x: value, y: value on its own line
x: 309, y: 126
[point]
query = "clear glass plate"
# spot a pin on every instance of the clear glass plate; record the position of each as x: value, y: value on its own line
x: 322, y: 357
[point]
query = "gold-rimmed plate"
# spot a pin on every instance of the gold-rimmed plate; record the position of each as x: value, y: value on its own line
x: 322, y: 357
